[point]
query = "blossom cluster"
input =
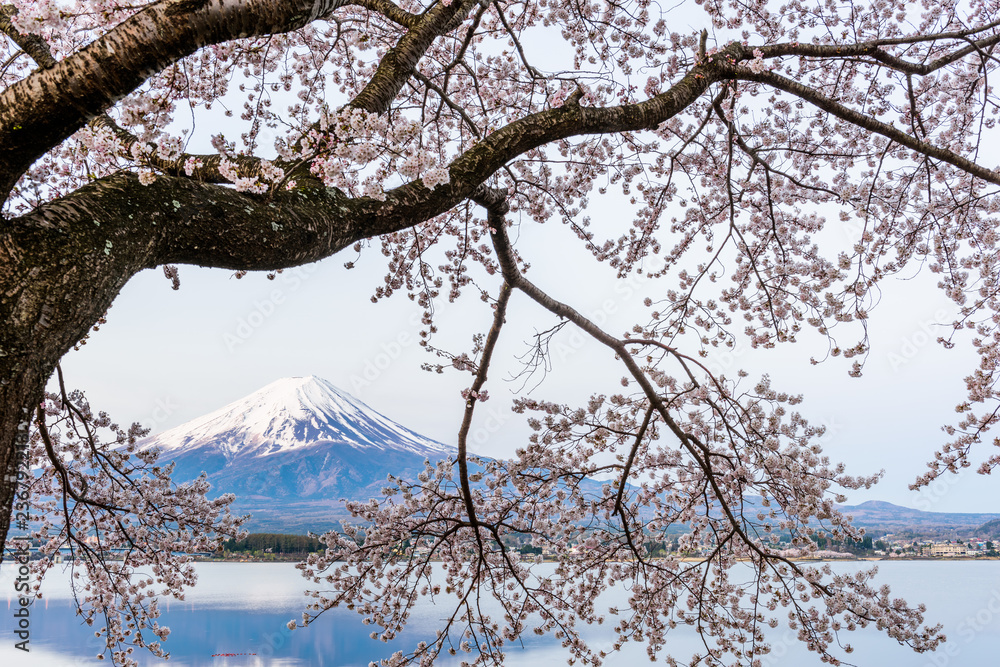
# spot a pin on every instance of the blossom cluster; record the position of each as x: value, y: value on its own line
x: 359, y: 152
x: 126, y: 529
x: 766, y: 179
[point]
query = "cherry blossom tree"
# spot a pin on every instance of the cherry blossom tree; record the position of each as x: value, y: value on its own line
x: 733, y: 137
x: 108, y: 506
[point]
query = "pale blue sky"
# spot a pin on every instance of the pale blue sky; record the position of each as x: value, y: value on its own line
x: 165, y: 357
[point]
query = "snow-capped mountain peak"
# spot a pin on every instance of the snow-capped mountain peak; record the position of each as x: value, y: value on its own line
x: 291, y: 414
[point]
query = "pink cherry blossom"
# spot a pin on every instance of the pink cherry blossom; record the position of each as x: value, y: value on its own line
x: 756, y: 170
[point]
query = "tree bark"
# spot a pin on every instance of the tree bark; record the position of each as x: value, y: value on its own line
x: 63, y: 264
x: 43, y: 109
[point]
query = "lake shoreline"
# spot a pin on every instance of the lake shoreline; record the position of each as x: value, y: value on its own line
x: 873, y: 559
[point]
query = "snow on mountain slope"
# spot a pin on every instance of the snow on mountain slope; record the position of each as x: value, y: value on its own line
x: 291, y: 414
x: 293, y: 451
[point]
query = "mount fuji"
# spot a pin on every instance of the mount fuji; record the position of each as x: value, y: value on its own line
x: 292, y: 450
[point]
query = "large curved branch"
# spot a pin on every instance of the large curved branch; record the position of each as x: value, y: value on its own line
x: 48, y: 106
x: 208, y: 166
x: 351, y: 219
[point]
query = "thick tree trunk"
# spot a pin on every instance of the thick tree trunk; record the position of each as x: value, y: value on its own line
x: 18, y: 393
x: 53, y: 288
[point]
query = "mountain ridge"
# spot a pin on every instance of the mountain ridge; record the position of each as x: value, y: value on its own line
x: 291, y: 413
x: 889, y: 517
x: 293, y: 449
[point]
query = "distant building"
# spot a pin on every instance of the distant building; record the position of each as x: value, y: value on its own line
x: 944, y: 550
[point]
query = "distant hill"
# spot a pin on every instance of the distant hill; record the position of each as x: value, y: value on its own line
x: 989, y: 529
x: 878, y: 514
x: 293, y: 449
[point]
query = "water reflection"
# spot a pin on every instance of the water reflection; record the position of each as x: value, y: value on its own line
x: 243, y: 608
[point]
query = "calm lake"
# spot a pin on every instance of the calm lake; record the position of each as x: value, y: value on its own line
x: 243, y: 608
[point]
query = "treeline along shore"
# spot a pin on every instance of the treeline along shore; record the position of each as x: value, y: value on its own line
x: 277, y: 547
